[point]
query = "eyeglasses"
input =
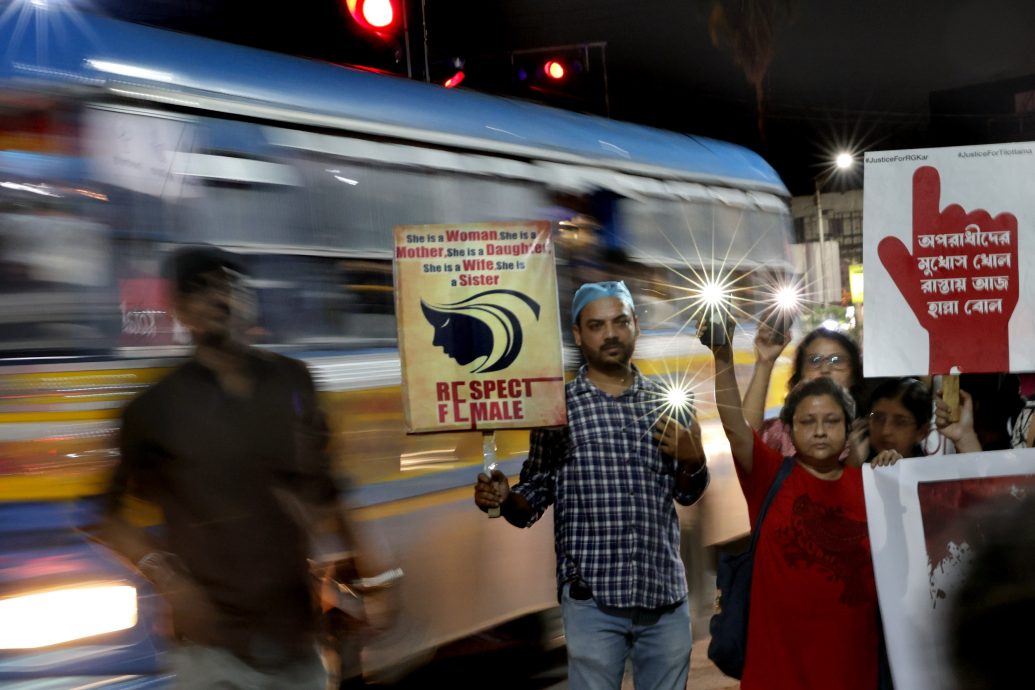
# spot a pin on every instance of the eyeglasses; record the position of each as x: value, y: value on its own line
x: 836, y: 362
x: 896, y: 421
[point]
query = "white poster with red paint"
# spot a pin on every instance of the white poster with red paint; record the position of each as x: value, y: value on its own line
x: 928, y: 518
x: 949, y: 251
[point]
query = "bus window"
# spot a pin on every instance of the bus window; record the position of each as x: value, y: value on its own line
x: 320, y: 302
x: 681, y: 232
x: 56, y: 293
x: 477, y: 199
x: 355, y: 207
x: 368, y: 284
x: 753, y: 234
x: 244, y: 212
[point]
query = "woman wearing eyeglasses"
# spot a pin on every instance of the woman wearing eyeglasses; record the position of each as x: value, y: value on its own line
x: 821, y: 353
x: 899, y: 421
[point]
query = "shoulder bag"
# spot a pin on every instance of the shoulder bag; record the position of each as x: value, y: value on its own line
x: 729, y: 625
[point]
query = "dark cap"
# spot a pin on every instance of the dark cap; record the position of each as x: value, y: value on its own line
x: 185, y: 265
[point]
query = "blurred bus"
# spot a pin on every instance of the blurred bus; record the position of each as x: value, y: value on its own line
x: 120, y: 143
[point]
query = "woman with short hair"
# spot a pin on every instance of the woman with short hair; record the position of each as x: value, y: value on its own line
x: 814, y: 615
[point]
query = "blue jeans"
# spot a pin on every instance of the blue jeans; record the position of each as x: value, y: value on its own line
x: 600, y: 639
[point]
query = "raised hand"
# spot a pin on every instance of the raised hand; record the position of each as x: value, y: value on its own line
x: 961, y: 433
x: 768, y: 344
x: 960, y: 280
x: 717, y: 338
x: 859, y: 443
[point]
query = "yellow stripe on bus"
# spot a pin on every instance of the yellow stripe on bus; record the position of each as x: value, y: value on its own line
x: 59, y: 416
x: 369, y: 424
x: 52, y: 487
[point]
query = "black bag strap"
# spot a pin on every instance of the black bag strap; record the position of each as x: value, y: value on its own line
x: 781, y: 474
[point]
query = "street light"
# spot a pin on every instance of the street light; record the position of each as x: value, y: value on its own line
x: 843, y: 161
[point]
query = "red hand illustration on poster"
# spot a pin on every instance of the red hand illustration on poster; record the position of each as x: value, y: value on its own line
x: 960, y: 281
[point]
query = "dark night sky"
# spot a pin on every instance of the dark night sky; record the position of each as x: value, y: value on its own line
x: 843, y: 74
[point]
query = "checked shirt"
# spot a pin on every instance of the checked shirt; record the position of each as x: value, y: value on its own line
x: 615, y: 525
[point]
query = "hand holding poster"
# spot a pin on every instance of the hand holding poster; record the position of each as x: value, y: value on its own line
x: 964, y: 275
x: 479, y: 327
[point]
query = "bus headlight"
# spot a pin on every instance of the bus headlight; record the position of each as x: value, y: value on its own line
x: 41, y: 619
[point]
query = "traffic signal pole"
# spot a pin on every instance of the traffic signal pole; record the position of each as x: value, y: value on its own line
x: 406, y: 38
x: 424, y: 26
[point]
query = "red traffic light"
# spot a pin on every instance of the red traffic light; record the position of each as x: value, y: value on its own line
x: 377, y: 16
x: 554, y: 70
x: 454, y: 80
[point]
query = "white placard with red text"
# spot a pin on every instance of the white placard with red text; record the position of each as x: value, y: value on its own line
x: 949, y: 255
x: 921, y: 514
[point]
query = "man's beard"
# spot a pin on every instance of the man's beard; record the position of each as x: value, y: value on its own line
x: 624, y: 354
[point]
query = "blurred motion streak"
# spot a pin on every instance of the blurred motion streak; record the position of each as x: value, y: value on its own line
x: 120, y: 143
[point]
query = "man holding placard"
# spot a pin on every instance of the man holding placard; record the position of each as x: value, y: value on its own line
x: 611, y: 474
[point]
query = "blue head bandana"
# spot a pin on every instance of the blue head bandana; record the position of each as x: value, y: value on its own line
x: 591, y: 292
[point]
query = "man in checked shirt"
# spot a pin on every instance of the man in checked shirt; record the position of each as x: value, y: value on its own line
x: 612, y: 474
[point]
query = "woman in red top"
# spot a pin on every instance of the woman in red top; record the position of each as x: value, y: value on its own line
x: 814, y: 617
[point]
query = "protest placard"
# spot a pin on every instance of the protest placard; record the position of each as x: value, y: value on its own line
x: 925, y: 525
x: 948, y: 236
x: 479, y: 327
